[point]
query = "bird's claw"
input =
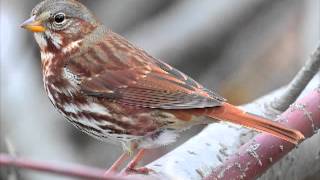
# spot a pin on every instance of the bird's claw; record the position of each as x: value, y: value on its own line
x: 142, y: 170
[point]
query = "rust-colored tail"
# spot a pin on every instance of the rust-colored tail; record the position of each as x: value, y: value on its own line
x: 230, y: 113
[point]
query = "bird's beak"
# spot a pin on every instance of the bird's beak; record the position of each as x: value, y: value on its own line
x: 33, y: 25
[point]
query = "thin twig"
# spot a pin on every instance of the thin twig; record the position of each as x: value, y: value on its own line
x: 70, y: 170
x: 296, y: 86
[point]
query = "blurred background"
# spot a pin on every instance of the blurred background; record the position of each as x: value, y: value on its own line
x: 242, y: 49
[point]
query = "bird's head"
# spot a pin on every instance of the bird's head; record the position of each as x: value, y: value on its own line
x: 57, y: 23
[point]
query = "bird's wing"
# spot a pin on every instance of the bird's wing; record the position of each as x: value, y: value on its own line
x: 118, y: 71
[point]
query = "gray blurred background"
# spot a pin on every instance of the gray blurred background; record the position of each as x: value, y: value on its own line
x: 243, y: 49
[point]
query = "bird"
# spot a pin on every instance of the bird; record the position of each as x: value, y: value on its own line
x: 116, y: 92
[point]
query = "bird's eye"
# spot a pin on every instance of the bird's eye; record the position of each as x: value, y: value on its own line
x: 59, y: 18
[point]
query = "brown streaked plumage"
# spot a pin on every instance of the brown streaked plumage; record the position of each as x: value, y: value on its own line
x: 114, y: 91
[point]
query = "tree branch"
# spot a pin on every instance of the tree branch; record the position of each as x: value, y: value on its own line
x: 71, y: 171
x: 299, y: 82
x: 259, y: 154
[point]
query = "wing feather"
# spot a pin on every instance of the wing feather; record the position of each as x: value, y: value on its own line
x: 142, y: 81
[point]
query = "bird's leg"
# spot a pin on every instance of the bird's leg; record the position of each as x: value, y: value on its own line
x: 136, y: 159
x: 131, y: 167
x: 115, y: 166
x: 128, y: 150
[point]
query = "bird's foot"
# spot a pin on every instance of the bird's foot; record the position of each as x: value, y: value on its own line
x: 115, y: 166
x: 131, y: 167
x: 141, y: 170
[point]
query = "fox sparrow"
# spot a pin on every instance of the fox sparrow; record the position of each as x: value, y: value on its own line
x: 115, y: 91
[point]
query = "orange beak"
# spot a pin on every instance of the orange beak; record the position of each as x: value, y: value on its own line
x: 33, y: 25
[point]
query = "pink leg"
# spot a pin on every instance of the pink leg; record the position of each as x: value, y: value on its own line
x: 117, y: 164
x: 131, y: 167
x: 136, y: 159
